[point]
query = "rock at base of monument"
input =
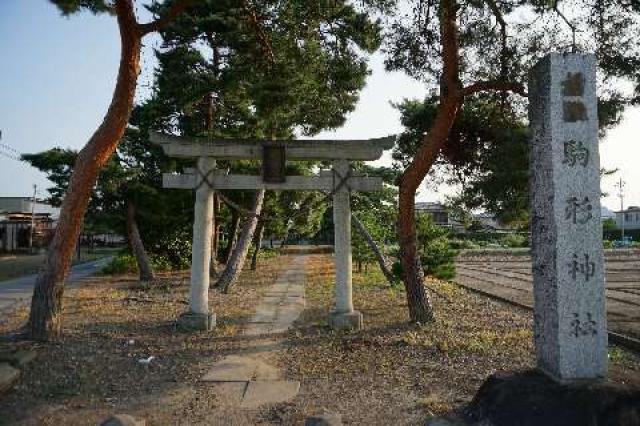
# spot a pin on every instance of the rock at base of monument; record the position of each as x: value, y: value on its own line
x: 122, y: 420
x: 193, y: 321
x: 18, y: 358
x: 8, y: 377
x: 448, y: 420
x: 346, y: 321
x: 530, y: 398
x: 324, y: 419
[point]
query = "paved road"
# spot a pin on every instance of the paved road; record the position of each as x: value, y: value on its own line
x: 509, y: 277
x: 16, y: 292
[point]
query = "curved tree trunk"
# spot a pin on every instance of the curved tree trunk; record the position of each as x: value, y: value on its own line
x: 451, y: 98
x: 420, y: 309
x: 232, y: 235
x: 257, y: 242
x: 380, y: 257
x: 208, y: 126
x: 46, y: 303
x: 236, y: 262
x: 213, y: 264
x: 137, y: 247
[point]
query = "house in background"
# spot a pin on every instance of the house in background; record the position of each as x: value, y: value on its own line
x: 439, y: 214
x: 16, y: 219
x: 631, y: 217
x: 487, y: 221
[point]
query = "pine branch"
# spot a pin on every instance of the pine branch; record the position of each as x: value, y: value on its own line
x: 496, y: 86
x: 174, y: 10
x: 259, y: 29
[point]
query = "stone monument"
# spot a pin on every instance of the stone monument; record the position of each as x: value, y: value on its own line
x: 568, y: 264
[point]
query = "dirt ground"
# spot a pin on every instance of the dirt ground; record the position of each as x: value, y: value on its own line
x: 390, y: 373
x: 509, y: 276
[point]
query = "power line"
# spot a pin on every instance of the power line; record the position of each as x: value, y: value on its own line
x: 10, y: 156
x: 5, y: 146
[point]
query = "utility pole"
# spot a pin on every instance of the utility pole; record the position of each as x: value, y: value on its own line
x: 33, y: 218
x: 620, y: 185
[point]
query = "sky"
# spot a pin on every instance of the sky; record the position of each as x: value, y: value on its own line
x: 57, y: 75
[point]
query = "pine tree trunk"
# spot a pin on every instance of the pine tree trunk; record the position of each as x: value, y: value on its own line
x: 257, y: 242
x: 380, y: 257
x: 236, y: 262
x: 451, y: 99
x: 213, y: 264
x: 208, y: 126
x: 137, y: 247
x: 233, y: 233
x: 46, y: 304
x: 420, y: 308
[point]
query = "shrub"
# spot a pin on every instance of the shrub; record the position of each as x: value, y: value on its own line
x: 267, y: 252
x: 123, y: 263
x: 160, y: 263
x: 173, y: 250
x: 437, y: 258
x: 462, y: 244
x: 436, y: 252
x: 515, y: 240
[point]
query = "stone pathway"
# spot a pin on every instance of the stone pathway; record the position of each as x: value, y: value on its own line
x: 250, y: 379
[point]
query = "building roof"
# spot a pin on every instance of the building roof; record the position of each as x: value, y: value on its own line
x: 22, y: 205
x: 630, y: 209
x: 430, y: 206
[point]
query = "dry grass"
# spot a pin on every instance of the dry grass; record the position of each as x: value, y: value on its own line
x: 391, y: 373
x: 397, y: 373
x: 109, y: 325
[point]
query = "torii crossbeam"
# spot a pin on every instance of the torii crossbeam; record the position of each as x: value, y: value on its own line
x: 205, y: 179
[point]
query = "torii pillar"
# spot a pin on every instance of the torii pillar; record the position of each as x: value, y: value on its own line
x: 339, y: 182
x: 343, y: 316
x: 198, y: 317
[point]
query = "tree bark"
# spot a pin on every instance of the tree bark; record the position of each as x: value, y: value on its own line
x: 208, y: 125
x: 380, y: 257
x: 420, y: 307
x: 46, y: 303
x: 236, y: 262
x: 233, y: 234
x: 137, y: 247
x: 213, y: 265
x: 257, y: 242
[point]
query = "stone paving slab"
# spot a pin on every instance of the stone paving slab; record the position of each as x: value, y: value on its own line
x: 258, y: 328
x: 241, y: 368
x: 230, y: 393
x: 271, y: 392
x: 264, y: 313
x: 8, y: 376
x: 248, y: 379
x: 232, y: 368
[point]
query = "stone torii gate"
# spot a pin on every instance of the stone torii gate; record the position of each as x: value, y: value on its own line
x: 339, y: 181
